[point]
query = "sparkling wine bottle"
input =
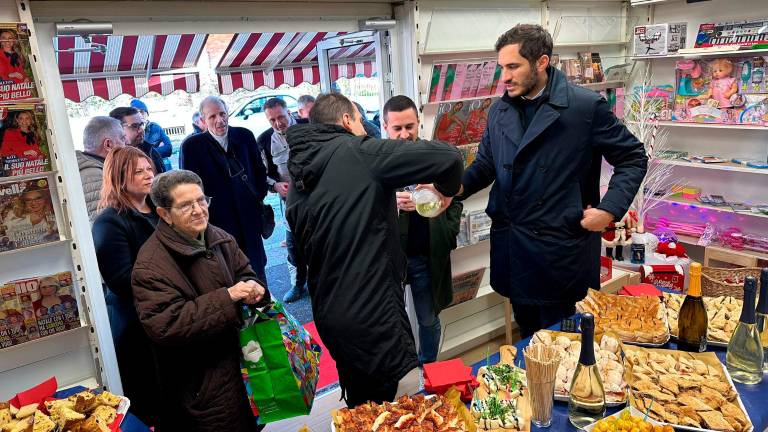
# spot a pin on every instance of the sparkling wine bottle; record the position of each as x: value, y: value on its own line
x: 586, y: 404
x: 744, y: 358
x: 692, y: 320
x: 761, y: 316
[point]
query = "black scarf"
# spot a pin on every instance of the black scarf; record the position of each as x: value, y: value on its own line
x: 14, y: 56
x: 30, y: 136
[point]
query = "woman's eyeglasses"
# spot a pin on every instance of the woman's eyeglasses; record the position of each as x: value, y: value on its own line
x: 202, y: 202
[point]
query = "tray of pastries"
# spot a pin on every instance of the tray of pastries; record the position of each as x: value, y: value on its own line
x: 722, y: 312
x: 410, y: 413
x: 501, y: 402
x: 82, y: 412
x: 690, y: 391
x: 608, y: 354
x: 637, y: 320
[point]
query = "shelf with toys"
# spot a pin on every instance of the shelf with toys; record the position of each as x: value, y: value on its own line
x: 724, y: 166
x: 693, y: 205
x: 704, y: 53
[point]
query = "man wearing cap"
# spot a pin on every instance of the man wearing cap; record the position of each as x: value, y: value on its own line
x: 154, y: 134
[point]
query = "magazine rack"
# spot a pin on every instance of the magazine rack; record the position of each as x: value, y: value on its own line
x: 84, y: 355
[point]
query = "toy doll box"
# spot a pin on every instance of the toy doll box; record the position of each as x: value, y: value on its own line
x: 725, y: 90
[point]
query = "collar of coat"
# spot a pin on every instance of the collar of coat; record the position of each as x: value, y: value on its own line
x: 556, y: 89
x: 175, y: 242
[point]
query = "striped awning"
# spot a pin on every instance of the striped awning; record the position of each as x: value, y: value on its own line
x: 253, y: 60
x: 109, y: 66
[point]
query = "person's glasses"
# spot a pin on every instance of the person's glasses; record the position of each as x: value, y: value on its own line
x: 202, y: 202
x: 134, y: 126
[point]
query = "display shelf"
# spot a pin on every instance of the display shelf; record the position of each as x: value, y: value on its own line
x: 28, y: 176
x: 725, y: 209
x: 459, y: 100
x: 605, y: 85
x: 472, y: 244
x: 712, y: 126
x: 650, y: 2
x: 36, y: 247
x: 44, y: 348
x: 690, y: 240
x: 491, y: 53
x: 703, y: 54
x: 89, y: 383
x: 724, y: 166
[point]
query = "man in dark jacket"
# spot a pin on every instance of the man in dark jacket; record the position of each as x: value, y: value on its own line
x: 274, y: 148
x: 542, y: 151
x: 228, y: 161
x: 155, y: 134
x: 133, y: 126
x: 189, y: 283
x: 427, y: 242
x: 342, y: 211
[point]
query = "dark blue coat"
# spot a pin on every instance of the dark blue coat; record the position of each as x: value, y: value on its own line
x: 540, y: 254
x: 234, y: 208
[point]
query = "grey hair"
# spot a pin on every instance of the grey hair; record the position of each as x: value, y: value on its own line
x: 305, y: 99
x: 211, y: 99
x: 98, y: 129
x: 196, y: 116
x: 164, y: 184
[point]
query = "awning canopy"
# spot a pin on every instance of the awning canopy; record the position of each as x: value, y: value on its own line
x: 253, y: 60
x: 109, y: 66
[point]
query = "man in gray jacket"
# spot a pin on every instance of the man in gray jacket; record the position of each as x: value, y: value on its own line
x: 101, y: 135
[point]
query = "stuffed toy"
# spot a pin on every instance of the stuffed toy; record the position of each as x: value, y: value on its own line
x: 671, y: 249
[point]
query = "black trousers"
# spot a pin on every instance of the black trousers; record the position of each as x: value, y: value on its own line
x: 358, y: 389
x: 532, y: 318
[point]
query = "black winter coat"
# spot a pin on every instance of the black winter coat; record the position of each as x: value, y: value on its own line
x: 236, y: 208
x: 540, y: 254
x: 342, y: 212
x: 118, y: 237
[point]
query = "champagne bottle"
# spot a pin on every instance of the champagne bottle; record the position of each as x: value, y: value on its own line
x: 744, y: 358
x: 692, y: 320
x: 761, y: 318
x: 586, y: 404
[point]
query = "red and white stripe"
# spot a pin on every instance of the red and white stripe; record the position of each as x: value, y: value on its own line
x: 244, y: 63
x: 126, y: 60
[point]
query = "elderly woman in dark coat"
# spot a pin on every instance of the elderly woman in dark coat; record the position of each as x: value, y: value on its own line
x: 189, y: 282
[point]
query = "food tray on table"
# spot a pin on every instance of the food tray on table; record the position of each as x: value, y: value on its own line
x: 83, y: 411
x: 609, y: 361
x: 640, y: 320
x: 690, y: 391
x: 407, y: 411
x: 632, y: 411
x: 501, y: 403
x: 722, y: 316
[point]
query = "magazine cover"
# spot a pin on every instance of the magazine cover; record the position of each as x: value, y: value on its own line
x: 23, y: 141
x: 27, y: 216
x: 466, y: 285
x: 16, y: 80
x: 462, y: 122
x: 12, y: 327
x: 27, y: 293
x: 55, y: 307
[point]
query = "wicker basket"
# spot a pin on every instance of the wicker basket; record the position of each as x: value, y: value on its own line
x: 713, y: 285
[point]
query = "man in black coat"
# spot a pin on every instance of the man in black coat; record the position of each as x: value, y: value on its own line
x: 134, y: 127
x: 342, y: 211
x: 228, y: 161
x: 542, y: 151
x: 274, y: 147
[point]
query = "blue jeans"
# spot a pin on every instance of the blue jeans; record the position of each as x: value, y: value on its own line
x: 423, y: 302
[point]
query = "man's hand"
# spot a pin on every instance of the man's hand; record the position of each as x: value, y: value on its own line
x: 446, y: 201
x: 282, y: 188
x: 404, y: 202
x: 249, y: 292
x: 595, y: 219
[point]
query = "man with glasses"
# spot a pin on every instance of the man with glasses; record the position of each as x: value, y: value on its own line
x: 133, y: 125
x: 228, y: 161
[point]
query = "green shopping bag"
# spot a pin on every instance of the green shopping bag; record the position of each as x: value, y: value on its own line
x: 280, y: 364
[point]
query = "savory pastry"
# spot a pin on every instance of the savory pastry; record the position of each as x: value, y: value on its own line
x: 409, y: 413
x: 722, y: 313
x: 633, y: 319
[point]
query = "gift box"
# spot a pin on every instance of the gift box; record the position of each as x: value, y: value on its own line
x: 606, y: 269
x: 664, y: 276
x: 439, y: 377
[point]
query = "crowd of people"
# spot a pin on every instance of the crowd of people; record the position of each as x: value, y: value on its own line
x: 180, y: 251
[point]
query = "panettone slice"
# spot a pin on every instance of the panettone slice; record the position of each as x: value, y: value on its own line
x: 43, y: 423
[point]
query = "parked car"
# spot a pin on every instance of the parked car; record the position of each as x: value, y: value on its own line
x: 250, y: 113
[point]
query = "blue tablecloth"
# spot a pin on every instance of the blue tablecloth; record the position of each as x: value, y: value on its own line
x: 754, y: 397
x: 130, y: 423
